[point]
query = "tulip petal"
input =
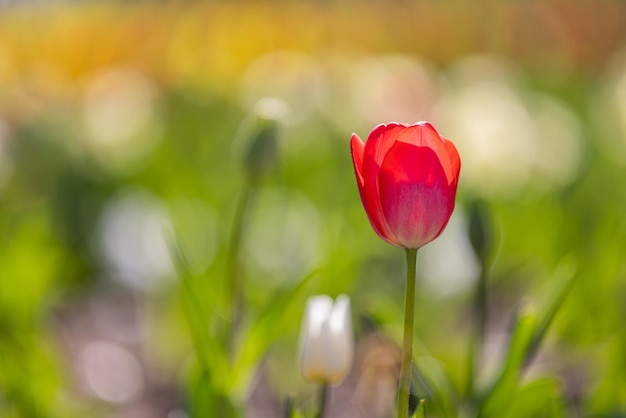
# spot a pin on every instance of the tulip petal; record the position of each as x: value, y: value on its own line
x: 357, y: 147
x: 382, y: 138
x: 378, y: 143
x: 341, y: 340
x: 423, y: 134
x: 416, y: 196
x: 314, y: 339
x: 327, y: 339
x: 455, y: 161
x: 372, y: 208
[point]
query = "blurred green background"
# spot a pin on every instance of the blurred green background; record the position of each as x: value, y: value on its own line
x: 119, y: 122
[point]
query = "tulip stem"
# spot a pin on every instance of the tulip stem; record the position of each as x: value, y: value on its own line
x: 407, y: 343
x: 323, y: 399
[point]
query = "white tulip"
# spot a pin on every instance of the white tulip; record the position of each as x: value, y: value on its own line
x: 327, y: 340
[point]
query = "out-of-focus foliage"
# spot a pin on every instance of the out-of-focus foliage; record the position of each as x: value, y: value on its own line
x: 124, y: 125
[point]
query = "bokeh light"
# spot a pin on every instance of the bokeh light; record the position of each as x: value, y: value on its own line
x: 609, y: 109
x: 133, y: 240
x: 394, y: 88
x: 285, y: 234
x: 448, y: 266
x: 121, y: 119
x: 111, y: 372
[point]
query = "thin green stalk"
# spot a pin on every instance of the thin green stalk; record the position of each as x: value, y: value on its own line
x: 407, y: 344
x: 480, y: 315
x: 235, y: 276
x: 324, y: 389
x: 481, y: 305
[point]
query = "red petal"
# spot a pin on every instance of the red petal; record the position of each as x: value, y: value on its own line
x: 381, y: 139
x: 378, y: 143
x: 357, y: 147
x: 424, y: 134
x: 455, y: 161
x: 416, y: 197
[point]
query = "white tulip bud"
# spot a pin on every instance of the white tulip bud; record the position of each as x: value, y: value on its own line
x: 327, y: 339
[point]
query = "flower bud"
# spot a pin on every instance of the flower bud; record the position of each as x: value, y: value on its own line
x: 481, y: 234
x: 327, y: 340
x: 261, y: 153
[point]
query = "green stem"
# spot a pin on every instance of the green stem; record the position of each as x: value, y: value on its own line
x: 481, y: 306
x: 480, y: 315
x: 407, y: 344
x: 235, y: 276
x: 323, y: 400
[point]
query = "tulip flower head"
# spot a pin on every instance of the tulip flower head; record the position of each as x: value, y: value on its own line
x: 407, y: 177
x: 327, y: 340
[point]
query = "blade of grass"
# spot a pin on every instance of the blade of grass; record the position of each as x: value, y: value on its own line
x: 209, y: 351
x: 564, y: 279
x: 420, y: 412
x: 539, y: 398
x: 270, y: 323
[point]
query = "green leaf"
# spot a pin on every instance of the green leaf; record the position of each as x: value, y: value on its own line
x: 290, y: 411
x: 208, y: 396
x: 539, y: 398
x: 420, y: 412
x: 498, y: 399
x: 530, y: 329
x: 431, y: 382
x: 209, y: 348
x: 564, y: 279
x: 269, y: 324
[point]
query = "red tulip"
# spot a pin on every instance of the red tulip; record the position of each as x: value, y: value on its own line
x: 407, y: 177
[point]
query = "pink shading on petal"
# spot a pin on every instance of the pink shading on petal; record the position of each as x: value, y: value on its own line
x: 415, y: 195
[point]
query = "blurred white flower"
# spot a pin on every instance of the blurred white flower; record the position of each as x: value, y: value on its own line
x: 327, y: 339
